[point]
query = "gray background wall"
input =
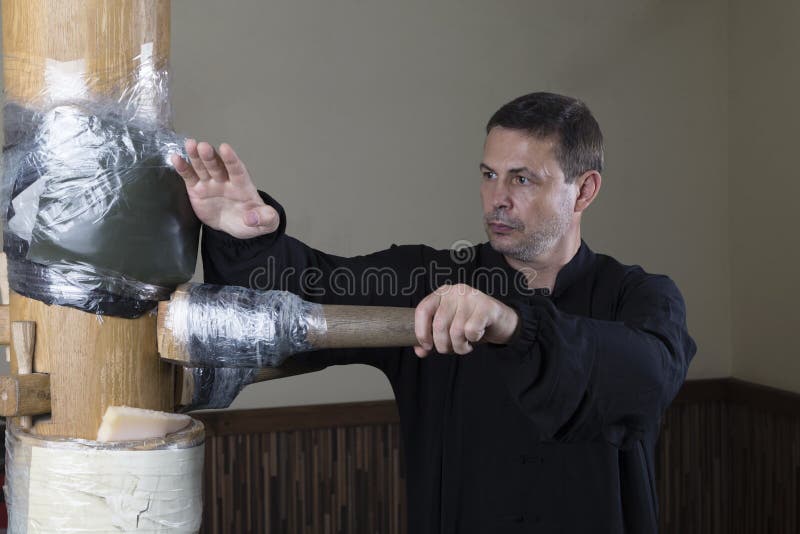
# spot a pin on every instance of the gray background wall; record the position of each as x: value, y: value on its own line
x: 764, y: 218
x: 365, y: 119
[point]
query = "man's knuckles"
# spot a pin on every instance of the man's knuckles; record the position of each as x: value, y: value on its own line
x: 473, y: 334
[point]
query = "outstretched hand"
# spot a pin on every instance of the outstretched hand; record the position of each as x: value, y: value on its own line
x: 222, y: 193
x: 454, y: 317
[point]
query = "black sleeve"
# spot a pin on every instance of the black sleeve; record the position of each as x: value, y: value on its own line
x: 277, y: 261
x: 582, y: 379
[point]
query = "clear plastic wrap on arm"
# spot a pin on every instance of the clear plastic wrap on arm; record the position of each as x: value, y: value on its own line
x: 225, y: 326
x: 82, y: 486
x: 95, y: 216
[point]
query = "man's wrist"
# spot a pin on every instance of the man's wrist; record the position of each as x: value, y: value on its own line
x: 511, y: 322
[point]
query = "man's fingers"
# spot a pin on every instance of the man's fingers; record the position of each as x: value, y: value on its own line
x: 197, y: 163
x: 441, y: 326
x: 212, y: 162
x: 184, y: 169
x: 457, y: 332
x: 264, y: 216
x: 237, y: 172
x: 475, y: 327
x: 423, y: 317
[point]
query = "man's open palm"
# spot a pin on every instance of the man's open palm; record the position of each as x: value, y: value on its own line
x: 222, y: 193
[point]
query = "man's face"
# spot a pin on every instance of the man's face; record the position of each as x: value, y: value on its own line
x: 527, y: 205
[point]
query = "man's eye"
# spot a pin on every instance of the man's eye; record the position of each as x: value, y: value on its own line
x: 489, y: 175
x: 522, y: 180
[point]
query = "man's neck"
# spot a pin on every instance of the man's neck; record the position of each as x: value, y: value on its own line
x: 542, y: 271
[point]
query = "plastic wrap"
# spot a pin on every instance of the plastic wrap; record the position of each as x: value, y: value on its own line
x: 216, y: 388
x: 95, y: 216
x: 81, y: 486
x: 225, y: 326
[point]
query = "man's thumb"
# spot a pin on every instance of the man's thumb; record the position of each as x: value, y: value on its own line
x: 263, y: 216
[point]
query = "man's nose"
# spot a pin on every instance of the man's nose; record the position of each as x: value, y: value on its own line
x: 500, y: 196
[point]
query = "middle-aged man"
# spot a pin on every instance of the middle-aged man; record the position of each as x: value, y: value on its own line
x: 546, y: 418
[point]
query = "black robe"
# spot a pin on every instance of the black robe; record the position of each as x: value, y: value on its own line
x: 553, y: 432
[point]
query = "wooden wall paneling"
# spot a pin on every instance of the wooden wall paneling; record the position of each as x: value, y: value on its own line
x: 728, y: 461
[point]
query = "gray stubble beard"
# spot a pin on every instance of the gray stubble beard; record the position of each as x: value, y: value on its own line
x: 539, y: 242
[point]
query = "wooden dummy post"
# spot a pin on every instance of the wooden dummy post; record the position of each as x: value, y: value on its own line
x: 92, y: 363
x: 68, y: 366
x: 88, y: 362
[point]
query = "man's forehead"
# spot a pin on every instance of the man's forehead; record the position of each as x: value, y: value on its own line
x: 507, y: 140
x: 510, y: 150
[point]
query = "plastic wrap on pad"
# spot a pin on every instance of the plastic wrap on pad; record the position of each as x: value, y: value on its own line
x: 225, y: 326
x: 78, y: 288
x: 93, y: 196
x: 81, y: 486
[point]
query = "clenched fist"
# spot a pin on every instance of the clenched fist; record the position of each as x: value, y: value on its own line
x: 454, y: 317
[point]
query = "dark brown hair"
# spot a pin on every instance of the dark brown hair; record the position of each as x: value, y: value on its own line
x: 579, y: 140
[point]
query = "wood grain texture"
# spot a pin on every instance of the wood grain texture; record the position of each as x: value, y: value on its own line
x: 5, y: 322
x: 169, y: 348
x: 93, y: 362
x: 24, y: 395
x: 106, y: 35
x: 5, y: 325
x: 365, y: 327
x: 23, y: 336
x: 340, y: 480
x: 728, y: 461
x: 4, y: 290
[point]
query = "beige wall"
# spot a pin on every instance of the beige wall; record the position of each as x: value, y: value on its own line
x: 765, y: 186
x: 365, y: 119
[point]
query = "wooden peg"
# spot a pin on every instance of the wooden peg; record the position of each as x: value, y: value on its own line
x: 22, y: 395
x: 5, y: 325
x: 5, y: 330
x: 4, y: 290
x: 23, y: 334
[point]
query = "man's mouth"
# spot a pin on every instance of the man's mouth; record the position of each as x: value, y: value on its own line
x: 500, y: 228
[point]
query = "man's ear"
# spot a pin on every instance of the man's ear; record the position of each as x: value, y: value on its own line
x: 588, y: 186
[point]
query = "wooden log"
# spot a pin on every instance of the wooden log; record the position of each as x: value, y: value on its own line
x: 93, y: 362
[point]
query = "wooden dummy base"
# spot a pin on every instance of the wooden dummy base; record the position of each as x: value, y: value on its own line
x: 93, y: 362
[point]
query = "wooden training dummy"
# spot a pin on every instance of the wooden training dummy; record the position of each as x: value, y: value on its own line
x: 92, y: 363
x: 81, y: 362
x: 98, y: 232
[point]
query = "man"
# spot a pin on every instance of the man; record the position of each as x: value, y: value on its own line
x: 546, y: 418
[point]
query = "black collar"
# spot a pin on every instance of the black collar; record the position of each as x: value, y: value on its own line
x: 575, y: 269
